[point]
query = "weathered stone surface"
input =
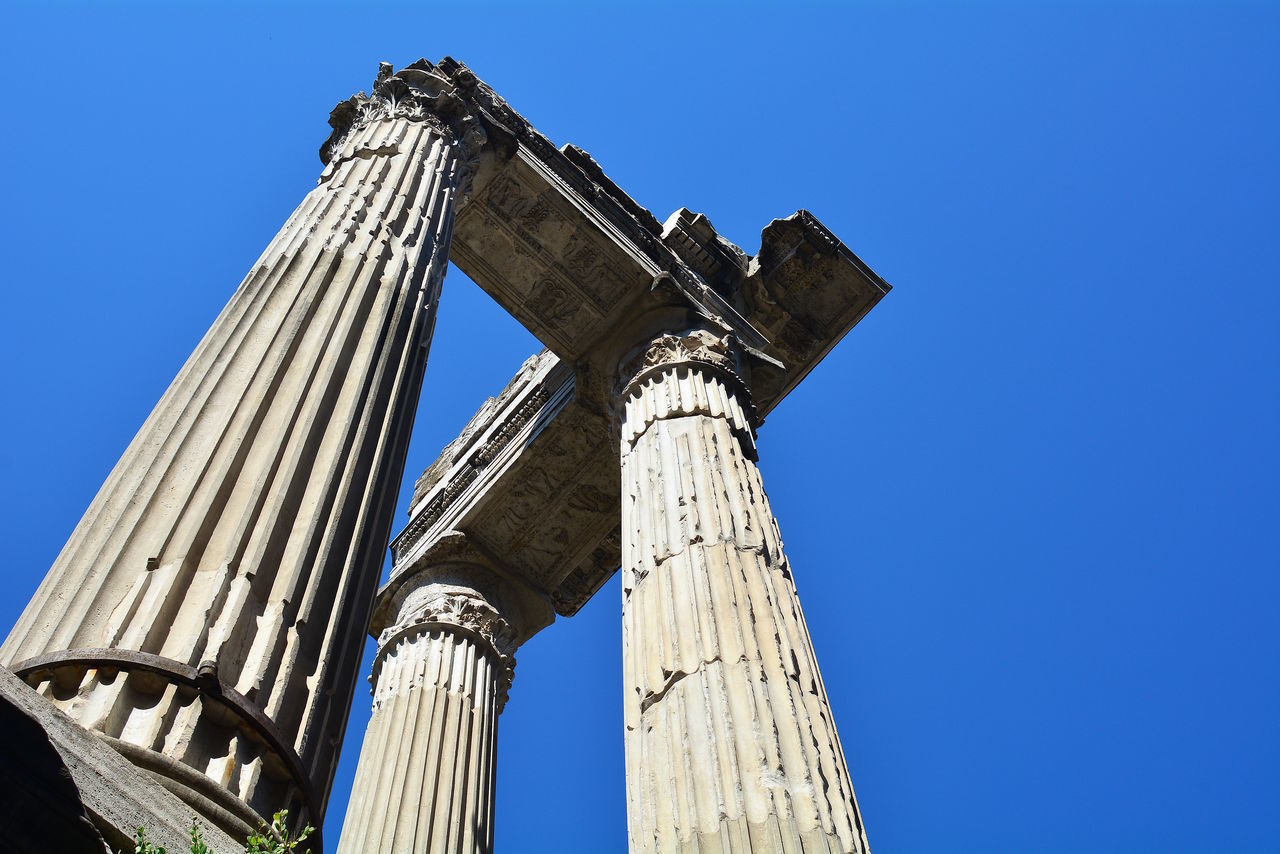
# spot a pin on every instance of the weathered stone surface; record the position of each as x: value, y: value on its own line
x: 532, y: 480
x: 448, y: 627
x: 730, y: 741
x: 89, y: 781
x: 229, y: 563
x: 545, y: 508
x: 204, y: 619
x: 426, y: 775
x: 569, y: 254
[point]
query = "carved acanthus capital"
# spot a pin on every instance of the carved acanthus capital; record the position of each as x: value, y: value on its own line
x: 452, y: 605
x: 418, y: 93
x: 697, y: 345
x: 461, y: 609
x: 701, y: 348
x: 651, y: 388
x: 452, y: 588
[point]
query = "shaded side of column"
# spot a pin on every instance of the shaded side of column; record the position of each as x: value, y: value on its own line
x: 730, y: 742
x: 206, y: 616
x: 426, y: 777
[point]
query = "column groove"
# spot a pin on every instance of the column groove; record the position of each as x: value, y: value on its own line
x: 240, y: 535
x: 424, y: 782
x: 730, y: 742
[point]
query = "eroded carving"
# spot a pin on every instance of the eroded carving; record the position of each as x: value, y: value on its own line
x: 462, y: 597
x: 702, y: 348
x: 698, y: 345
x: 456, y: 606
x: 417, y: 93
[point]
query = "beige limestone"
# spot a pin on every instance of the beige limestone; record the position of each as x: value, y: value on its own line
x: 448, y: 627
x: 533, y: 477
x: 730, y: 742
x: 116, y: 797
x: 426, y: 773
x: 206, y: 616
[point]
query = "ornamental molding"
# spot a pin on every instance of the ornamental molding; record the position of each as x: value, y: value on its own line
x: 429, y: 515
x: 457, y: 606
x: 433, y: 604
x: 485, y: 439
x: 704, y: 349
x: 416, y: 93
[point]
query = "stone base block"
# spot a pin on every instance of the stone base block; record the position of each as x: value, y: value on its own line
x: 63, y: 789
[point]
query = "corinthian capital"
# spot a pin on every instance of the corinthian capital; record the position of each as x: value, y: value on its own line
x: 703, y: 349
x: 675, y: 375
x: 417, y: 93
x: 442, y: 603
x: 452, y: 586
x: 702, y: 346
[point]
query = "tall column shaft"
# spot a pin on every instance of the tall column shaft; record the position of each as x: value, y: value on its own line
x: 206, y: 616
x: 426, y: 777
x: 730, y: 742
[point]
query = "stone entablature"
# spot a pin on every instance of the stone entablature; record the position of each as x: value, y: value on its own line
x: 551, y: 218
x: 569, y: 254
x: 529, y: 480
x: 204, y: 620
x: 562, y: 485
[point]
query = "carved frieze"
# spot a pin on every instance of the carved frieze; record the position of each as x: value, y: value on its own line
x: 576, y: 260
x: 486, y: 437
x: 430, y: 514
x: 589, y: 575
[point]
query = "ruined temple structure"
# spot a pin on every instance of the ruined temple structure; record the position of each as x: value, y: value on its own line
x: 205, y: 621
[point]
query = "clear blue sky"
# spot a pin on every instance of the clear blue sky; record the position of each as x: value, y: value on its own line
x: 1031, y: 502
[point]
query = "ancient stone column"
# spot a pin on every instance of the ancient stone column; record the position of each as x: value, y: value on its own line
x: 730, y: 743
x: 448, y: 628
x: 207, y: 615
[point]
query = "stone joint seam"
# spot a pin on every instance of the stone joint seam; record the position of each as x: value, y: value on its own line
x: 652, y: 698
x: 745, y: 433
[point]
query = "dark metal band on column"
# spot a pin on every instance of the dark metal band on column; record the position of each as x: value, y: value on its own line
x: 205, y: 681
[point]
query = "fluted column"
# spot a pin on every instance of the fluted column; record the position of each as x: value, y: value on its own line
x: 730, y: 743
x: 447, y: 634
x: 206, y: 616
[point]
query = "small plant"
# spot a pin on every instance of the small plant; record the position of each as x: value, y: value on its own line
x: 197, y: 840
x: 273, y: 839
x: 142, y: 846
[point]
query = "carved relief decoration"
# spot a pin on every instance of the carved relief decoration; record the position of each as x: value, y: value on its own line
x: 479, y: 458
x: 458, y: 606
x: 589, y: 576
x: 446, y: 604
x: 417, y: 93
x: 702, y: 348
